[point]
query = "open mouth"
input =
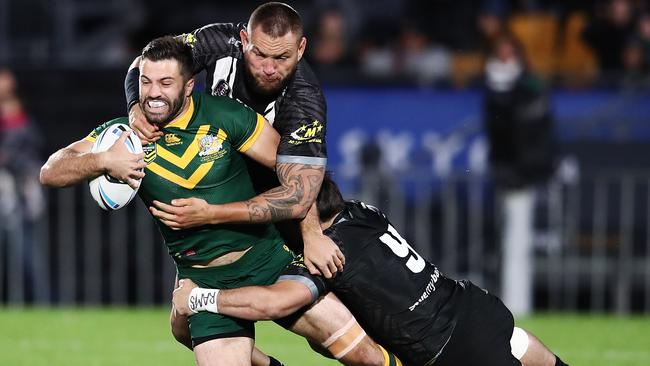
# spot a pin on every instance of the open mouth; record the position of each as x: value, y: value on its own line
x: 156, y: 105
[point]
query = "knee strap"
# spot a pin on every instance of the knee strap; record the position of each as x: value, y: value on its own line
x: 344, y: 339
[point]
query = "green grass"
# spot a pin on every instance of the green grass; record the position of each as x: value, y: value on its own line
x: 97, y: 337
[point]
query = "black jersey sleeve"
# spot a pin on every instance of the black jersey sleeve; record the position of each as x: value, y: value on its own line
x: 301, y: 120
x: 297, y: 271
x: 212, y: 42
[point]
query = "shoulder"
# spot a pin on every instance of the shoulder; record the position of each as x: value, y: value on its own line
x: 360, y: 216
x: 224, y: 30
x: 222, y: 104
x: 304, y: 92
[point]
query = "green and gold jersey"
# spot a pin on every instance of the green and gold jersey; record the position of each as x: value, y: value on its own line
x: 198, y: 156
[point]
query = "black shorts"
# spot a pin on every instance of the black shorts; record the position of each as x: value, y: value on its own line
x: 482, y: 333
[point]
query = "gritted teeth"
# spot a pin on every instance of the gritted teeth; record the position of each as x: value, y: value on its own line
x: 156, y: 103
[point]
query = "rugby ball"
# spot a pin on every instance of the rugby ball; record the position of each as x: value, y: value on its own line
x: 109, y: 192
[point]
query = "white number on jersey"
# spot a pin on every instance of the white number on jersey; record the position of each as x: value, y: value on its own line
x: 402, y: 249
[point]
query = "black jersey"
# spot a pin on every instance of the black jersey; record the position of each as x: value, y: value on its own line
x: 402, y: 301
x: 298, y: 112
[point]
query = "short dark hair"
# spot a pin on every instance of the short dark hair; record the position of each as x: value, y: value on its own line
x: 171, y: 48
x: 330, y: 201
x: 276, y: 19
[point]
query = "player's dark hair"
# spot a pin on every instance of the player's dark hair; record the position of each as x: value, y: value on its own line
x: 171, y: 48
x: 330, y: 201
x: 276, y: 19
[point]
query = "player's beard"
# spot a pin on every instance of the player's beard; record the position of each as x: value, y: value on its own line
x: 173, y: 107
x: 265, y: 89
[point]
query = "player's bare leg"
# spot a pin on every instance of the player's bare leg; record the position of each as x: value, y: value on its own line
x: 531, y: 351
x: 330, y: 324
x: 180, y: 325
x: 225, y: 352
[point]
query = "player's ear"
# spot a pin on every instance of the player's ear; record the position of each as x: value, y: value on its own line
x: 189, y: 87
x: 301, y: 47
x: 243, y: 35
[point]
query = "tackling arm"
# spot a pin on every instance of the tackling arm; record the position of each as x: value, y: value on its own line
x: 252, y: 303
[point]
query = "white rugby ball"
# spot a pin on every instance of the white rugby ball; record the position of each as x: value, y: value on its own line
x: 109, y: 192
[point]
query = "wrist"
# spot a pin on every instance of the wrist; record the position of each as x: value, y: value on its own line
x: 213, y: 215
x: 203, y: 299
x: 101, y: 162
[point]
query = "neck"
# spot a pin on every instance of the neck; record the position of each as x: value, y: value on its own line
x: 186, y: 105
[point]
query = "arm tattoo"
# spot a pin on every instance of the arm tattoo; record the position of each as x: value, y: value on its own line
x: 298, y: 190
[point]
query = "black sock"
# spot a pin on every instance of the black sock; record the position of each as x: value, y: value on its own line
x: 559, y: 362
x: 275, y: 362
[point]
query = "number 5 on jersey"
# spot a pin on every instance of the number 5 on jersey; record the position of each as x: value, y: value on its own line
x: 402, y: 249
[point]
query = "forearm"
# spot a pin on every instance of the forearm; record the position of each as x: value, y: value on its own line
x: 258, y: 303
x: 67, y: 167
x: 291, y: 200
x: 131, y: 84
x: 310, y: 225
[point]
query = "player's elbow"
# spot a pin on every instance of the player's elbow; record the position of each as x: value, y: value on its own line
x: 301, y: 210
x: 47, y: 178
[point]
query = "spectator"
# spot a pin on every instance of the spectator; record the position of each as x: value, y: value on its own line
x: 519, y: 127
x: 644, y: 38
x: 331, y: 50
x: 21, y: 197
x: 608, y: 34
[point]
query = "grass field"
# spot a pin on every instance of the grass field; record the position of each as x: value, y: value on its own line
x: 98, y: 337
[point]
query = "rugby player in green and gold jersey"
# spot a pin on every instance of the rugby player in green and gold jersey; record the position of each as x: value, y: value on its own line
x: 200, y: 159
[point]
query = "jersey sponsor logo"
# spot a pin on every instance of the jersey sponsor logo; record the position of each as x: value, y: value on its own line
x: 211, y: 148
x: 171, y: 139
x: 222, y: 88
x: 150, y: 152
x: 307, y: 133
x: 431, y: 287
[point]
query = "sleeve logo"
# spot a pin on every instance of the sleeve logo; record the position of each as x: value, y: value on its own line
x: 307, y: 133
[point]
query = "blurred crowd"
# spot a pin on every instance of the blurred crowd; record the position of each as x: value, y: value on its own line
x: 574, y: 43
x: 442, y: 42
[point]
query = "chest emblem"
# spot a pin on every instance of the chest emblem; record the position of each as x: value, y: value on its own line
x: 150, y: 152
x: 211, y: 148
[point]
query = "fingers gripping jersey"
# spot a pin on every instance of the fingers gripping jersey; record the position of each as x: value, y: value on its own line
x: 199, y: 156
x: 298, y: 112
x: 402, y: 301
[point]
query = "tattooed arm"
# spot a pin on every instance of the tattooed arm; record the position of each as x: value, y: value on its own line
x: 292, y: 199
x: 299, y: 187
